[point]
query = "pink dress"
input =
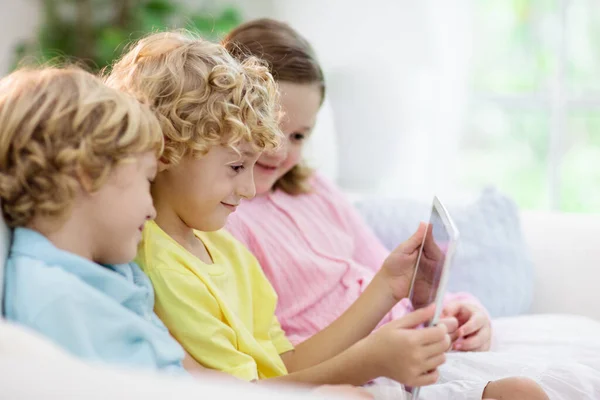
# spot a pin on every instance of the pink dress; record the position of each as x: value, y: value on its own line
x: 317, y: 252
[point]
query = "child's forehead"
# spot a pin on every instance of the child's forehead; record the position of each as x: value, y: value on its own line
x: 240, y: 150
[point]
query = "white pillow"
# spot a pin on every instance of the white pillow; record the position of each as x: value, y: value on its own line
x: 492, y: 259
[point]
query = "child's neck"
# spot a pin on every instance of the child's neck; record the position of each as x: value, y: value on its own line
x: 68, y: 235
x: 173, y: 226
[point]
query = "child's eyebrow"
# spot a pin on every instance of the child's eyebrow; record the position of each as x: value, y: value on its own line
x: 245, y: 153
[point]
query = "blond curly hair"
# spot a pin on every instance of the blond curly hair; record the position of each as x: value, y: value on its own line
x: 290, y: 58
x: 202, y: 96
x: 57, y: 125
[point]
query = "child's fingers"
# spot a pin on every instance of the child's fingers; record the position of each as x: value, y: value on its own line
x: 437, y: 348
x: 428, y: 378
x: 432, y: 249
x: 434, y: 362
x: 451, y: 309
x: 473, y: 343
x: 416, y: 318
x: 450, y: 322
x: 479, y: 341
x: 432, y: 335
x: 414, y: 242
x: 474, y: 324
x: 454, y: 336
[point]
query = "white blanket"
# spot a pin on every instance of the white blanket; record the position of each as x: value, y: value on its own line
x: 561, y: 352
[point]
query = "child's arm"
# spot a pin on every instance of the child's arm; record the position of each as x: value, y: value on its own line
x: 388, y: 286
x: 355, y: 323
x: 397, y: 351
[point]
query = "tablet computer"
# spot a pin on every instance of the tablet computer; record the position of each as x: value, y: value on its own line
x: 431, y: 273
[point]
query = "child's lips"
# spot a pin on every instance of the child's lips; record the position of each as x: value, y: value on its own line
x: 231, y: 207
x: 267, y: 168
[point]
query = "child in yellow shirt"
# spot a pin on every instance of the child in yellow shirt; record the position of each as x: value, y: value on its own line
x: 218, y: 115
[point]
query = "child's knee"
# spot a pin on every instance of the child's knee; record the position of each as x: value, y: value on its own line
x: 514, y: 388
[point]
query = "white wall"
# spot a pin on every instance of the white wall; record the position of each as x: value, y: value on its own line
x: 18, y: 19
x: 396, y: 72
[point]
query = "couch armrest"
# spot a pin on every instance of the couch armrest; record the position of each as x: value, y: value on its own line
x: 565, y: 250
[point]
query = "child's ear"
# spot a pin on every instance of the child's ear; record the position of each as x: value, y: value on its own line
x: 163, y: 164
x: 84, y: 179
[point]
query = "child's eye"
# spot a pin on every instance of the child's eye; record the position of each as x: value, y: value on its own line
x: 237, y: 168
x: 297, y: 137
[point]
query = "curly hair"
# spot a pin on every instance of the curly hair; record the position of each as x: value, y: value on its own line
x: 57, y: 125
x: 202, y: 96
x: 290, y: 58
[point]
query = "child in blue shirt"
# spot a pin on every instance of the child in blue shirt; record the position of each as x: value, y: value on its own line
x: 76, y: 161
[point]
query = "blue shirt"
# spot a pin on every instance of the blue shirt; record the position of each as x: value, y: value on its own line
x: 97, y: 312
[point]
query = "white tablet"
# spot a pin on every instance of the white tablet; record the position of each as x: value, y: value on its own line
x: 433, y: 263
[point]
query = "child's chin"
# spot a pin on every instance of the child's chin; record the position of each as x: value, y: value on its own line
x: 264, y: 187
x: 215, y: 224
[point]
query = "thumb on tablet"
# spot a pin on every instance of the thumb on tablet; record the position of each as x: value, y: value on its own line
x: 416, y: 318
x: 413, y: 243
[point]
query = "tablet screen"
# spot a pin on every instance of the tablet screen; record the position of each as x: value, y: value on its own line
x: 430, y: 263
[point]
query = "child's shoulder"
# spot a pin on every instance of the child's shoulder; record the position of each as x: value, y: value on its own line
x: 157, y: 249
x: 33, y: 284
x: 37, y: 272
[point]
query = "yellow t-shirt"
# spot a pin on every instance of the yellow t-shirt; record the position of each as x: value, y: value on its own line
x: 223, y: 314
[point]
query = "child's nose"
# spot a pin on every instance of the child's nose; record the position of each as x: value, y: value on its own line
x: 247, y: 188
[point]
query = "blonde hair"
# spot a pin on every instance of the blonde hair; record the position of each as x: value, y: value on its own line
x: 290, y: 58
x: 202, y: 96
x: 57, y: 125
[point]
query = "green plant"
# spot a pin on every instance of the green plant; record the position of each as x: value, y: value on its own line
x: 95, y: 31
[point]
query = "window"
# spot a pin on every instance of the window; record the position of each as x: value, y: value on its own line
x: 533, y: 124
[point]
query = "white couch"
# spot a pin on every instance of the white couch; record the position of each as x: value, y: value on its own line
x: 565, y: 249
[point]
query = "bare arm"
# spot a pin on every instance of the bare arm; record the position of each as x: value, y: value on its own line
x: 356, y: 323
x: 397, y: 351
x: 344, y: 368
x: 388, y: 286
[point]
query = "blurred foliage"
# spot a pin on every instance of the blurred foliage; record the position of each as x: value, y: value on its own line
x: 95, y: 31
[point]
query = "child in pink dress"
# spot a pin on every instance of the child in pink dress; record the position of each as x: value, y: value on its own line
x: 313, y: 246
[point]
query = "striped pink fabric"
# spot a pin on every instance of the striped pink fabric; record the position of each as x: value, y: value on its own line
x: 317, y: 252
